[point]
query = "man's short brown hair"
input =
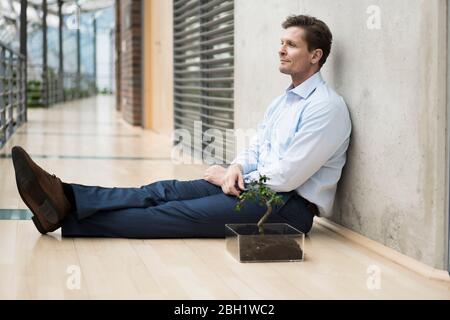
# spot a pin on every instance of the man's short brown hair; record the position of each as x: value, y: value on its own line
x: 317, y: 33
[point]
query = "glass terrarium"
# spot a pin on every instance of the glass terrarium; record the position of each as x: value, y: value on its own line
x: 276, y: 242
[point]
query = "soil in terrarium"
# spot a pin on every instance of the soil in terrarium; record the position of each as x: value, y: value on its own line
x: 268, y: 248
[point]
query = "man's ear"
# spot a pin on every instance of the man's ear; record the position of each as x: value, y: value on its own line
x: 317, y: 55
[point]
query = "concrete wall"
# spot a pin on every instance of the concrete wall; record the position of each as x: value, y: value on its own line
x: 394, y: 81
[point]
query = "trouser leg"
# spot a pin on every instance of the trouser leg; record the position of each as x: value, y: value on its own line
x: 90, y: 200
x: 200, y: 217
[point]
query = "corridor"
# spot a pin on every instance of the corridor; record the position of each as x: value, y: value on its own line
x: 87, y: 142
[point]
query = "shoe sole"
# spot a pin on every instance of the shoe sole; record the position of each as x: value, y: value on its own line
x: 38, y: 225
x: 27, y: 184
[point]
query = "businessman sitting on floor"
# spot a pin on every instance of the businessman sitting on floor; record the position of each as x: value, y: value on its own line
x: 300, y: 146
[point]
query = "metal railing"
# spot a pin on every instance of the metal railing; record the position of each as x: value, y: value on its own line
x: 75, y: 88
x: 44, y: 91
x: 13, y: 107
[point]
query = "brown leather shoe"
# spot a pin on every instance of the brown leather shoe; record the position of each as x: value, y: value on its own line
x: 42, y: 193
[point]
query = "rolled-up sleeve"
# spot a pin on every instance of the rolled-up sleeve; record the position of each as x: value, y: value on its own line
x: 324, y: 128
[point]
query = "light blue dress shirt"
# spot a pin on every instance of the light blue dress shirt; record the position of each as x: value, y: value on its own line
x: 301, y: 143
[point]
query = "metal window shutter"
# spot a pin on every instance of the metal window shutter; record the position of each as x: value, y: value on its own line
x: 204, y: 70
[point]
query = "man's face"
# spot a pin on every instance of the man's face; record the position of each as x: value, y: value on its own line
x: 295, y: 59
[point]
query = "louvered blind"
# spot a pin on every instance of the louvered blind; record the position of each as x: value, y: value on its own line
x: 204, y: 70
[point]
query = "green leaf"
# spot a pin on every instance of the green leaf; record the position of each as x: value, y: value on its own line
x: 258, y: 191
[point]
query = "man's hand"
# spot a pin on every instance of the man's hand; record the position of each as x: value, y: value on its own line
x: 215, y: 175
x: 233, y: 176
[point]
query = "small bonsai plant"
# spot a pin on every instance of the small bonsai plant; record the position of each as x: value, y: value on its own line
x: 258, y: 191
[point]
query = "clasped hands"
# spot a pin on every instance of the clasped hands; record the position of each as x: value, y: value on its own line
x: 230, y: 179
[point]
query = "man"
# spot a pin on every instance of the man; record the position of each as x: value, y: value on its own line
x: 300, y: 146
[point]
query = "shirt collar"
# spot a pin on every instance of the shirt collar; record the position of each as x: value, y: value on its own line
x: 306, y: 87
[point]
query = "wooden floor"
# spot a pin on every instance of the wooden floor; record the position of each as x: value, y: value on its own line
x: 85, y: 142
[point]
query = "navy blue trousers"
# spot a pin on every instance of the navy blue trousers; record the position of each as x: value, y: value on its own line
x: 171, y: 209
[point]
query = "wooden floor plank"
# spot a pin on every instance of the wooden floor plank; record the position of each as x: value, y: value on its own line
x: 189, y: 272
x: 113, y: 269
x: 263, y: 281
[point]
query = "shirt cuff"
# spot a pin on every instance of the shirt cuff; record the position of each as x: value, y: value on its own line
x: 246, y: 168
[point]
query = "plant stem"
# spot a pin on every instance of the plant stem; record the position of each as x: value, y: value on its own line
x: 264, y: 218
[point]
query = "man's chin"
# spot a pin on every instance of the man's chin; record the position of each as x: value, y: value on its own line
x: 283, y: 70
